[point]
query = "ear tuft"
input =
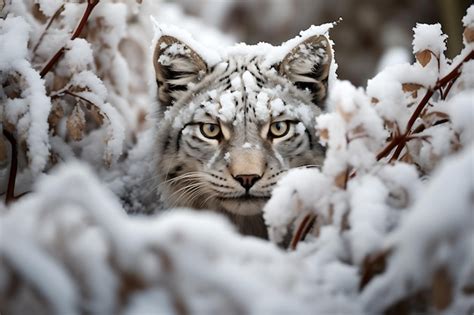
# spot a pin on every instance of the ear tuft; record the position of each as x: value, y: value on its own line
x: 176, y: 66
x: 307, y: 66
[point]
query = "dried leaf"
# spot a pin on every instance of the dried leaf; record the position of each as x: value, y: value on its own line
x: 341, y: 179
x: 469, y: 34
x: 407, y: 158
x: 412, y: 88
x: 373, y: 265
x: 442, y: 289
x: 57, y: 112
x: 324, y: 134
x: 347, y: 116
x: 59, y: 82
x: 433, y: 117
x: 374, y: 100
x: 345, y: 224
x: 423, y: 57
x: 97, y: 115
x: 3, y: 151
x: 76, y: 124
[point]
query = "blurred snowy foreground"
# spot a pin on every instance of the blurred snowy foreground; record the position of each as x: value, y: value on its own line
x: 385, y: 226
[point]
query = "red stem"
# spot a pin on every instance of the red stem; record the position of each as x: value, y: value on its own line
x: 10, y: 195
x: 400, y: 142
x: 90, y: 6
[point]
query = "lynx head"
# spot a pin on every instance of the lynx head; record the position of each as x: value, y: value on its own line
x: 228, y: 129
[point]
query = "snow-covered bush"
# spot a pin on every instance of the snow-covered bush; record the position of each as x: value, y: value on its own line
x: 385, y: 226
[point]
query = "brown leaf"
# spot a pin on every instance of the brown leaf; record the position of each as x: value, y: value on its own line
x: 97, y: 115
x: 345, y: 224
x: 347, y: 116
x: 76, y: 124
x: 373, y: 265
x: 411, y: 87
x: 324, y: 134
x: 423, y: 57
x: 341, y: 179
x: 3, y: 151
x: 57, y: 112
x: 442, y: 289
x: 469, y: 34
x: 374, y: 100
x: 433, y: 117
x: 407, y: 158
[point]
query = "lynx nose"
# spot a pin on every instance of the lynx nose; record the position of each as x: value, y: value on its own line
x: 247, y: 180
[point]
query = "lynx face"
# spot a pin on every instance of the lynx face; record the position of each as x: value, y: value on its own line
x: 227, y: 132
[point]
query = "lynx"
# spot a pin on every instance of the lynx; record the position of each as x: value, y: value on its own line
x: 228, y: 130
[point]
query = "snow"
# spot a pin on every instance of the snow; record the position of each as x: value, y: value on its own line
x: 91, y: 234
x: 49, y: 7
x: 209, y: 56
x: 289, y: 195
x: 442, y: 220
x: 468, y: 19
x: 249, y: 81
x: 393, y: 56
x: 14, y: 34
x: 78, y: 55
x: 429, y: 37
x: 261, y: 107
x: 461, y: 112
x: 277, y: 107
x: 227, y: 102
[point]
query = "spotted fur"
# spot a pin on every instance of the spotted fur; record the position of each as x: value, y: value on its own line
x: 243, y: 95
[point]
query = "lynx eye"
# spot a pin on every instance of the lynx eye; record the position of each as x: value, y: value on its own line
x: 211, y: 131
x: 279, y: 129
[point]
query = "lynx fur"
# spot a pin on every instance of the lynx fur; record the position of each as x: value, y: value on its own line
x: 226, y: 132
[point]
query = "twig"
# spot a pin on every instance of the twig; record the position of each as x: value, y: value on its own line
x: 50, y: 22
x: 90, y: 6
x: 399, y: 142
x: 302, y: 230
x: 10, y: 195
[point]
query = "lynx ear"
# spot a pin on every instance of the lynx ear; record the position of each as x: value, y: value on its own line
x: 307, y: 66
x: 176, y: 66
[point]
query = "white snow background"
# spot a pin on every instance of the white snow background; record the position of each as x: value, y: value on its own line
x: 87, y: 235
